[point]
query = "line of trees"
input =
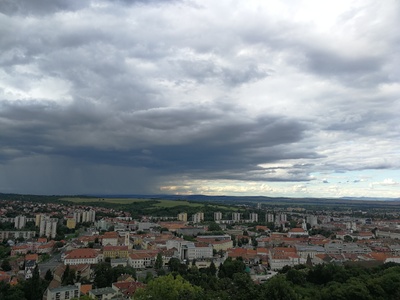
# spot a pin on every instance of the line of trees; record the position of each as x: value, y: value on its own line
x: 232, y: 282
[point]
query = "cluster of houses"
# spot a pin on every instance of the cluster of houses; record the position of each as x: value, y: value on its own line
x: 137, y: 244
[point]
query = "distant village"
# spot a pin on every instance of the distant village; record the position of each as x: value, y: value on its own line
x: 57, y: 236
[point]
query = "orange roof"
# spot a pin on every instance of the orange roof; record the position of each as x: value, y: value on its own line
x: 31, y: 257
x: 110, y: 234
x: 284, y: 249
x: 4, y: 276
x: 378, y: 256
x: 115, y: 248
x: 85, y: 288
x: 296, y: 230
x: 265, y: 228
x: 82, y: 253
x: 142, y: 255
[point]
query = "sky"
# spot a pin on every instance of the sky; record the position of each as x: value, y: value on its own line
x: 270, y: 98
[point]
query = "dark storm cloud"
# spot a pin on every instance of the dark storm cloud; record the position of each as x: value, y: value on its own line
x: 165, y: 90
x: 39, y: 7
x: 188, y: 139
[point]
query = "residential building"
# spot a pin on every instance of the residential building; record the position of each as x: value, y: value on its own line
x: 312, y: 220
x: 182, y: 217
x: 7, y: 234
x: 269, y: 218
x: 81, y: 256
x: 63, y: 292
x: 115, y: 251
x: 236, y: 216
x: 281, y: 256
x: 102, y: 293
x: 110, y: 238
x: 71, y: 222
x: 47, y: 226
x: 142, y: 259
x: 217, y: 216
x: 19, y: 222
x: 297, y: 232
x: 253, y: 217
x: 30, y: 264
x: 198, y: 217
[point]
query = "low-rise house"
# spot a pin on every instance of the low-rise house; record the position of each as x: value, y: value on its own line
x: 102, y: 293
x: 352, y: 248
x: 119, y: 262
x: 297, y: 232
x: 63, y: 292
x: 305, y: 251
x: 142, y: 259
x: 82, y: 256
x: 30, y: 264
x: 281, y: 256
x: 217, y: 243
x: 115, y: 251
x: 110, y: 238
x: 127, y: 288
x: 4, y: 277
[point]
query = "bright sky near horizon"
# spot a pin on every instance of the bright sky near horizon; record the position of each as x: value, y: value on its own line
x: 271, y: 98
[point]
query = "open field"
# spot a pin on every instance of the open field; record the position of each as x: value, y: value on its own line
x: 103, y: 200
x: 161, y: 203
x: 173, y: 203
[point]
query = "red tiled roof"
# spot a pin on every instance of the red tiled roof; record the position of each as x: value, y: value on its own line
x: 82, y: 253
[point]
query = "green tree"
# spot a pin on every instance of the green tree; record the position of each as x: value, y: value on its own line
x: 5, y: 265
x: 159, y: 262
x: 120, y: 270
x: 230, y: 267
x: 48, y: 276
x: 214, y: 227
x: 103, y: 275
x: 212, y: 269
x: 278, y: 288
x: 170, y: 288
x: 174, y: 264
x: 34, y: 287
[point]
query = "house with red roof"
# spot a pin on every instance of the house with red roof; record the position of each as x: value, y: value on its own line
x: 82, y: 256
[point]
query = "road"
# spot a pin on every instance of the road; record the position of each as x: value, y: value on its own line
x: 51, y: 264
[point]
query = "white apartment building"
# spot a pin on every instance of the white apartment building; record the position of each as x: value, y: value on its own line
x: 47, y: 226
x: 81, y: 216
x: 312, y: 220
x: 236, y: 216
x: 63, y: 292
x: 182, y: 217
x: 82, y: 256
x: 19, y: 222
x: 217, y: 216
x: 269, y: 218
x: 198, y: 217
x: 253, y: 217
x: 190, y: 250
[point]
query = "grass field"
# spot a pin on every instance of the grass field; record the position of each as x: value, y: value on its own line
x: 161, y: 203
x: 172, y: 203
x: 104, y: 200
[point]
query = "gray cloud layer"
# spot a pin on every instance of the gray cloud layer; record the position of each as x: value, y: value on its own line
x: 124, y: 96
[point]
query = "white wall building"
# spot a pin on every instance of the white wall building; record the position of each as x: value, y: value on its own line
x: 253, y: 217
x: 47, y: 226
x: 269, y: 218
x: 19, y: 222
x: 236, y: 217
x: 217, y: 216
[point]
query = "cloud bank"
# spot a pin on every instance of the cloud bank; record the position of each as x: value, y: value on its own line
x: 214, y: 97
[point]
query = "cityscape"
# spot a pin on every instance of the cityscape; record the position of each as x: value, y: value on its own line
x: 57, y: 237
x: 199, y: 149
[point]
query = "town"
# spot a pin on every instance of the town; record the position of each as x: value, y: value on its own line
x: 71, y: 246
